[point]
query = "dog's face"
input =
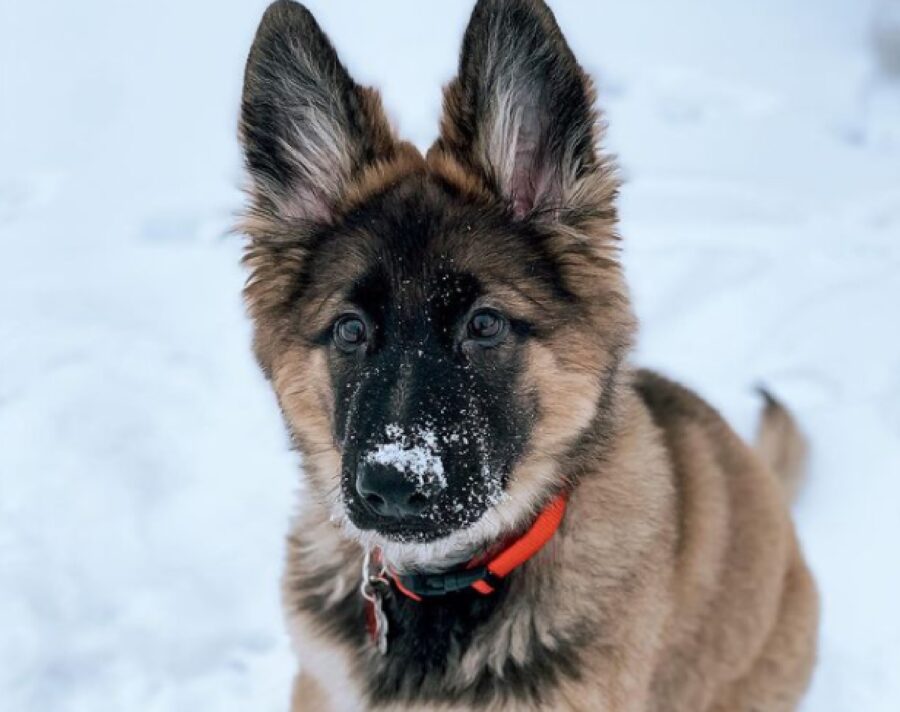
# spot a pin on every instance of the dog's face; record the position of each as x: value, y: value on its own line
x: 425, y: 353
x: 440, y: 331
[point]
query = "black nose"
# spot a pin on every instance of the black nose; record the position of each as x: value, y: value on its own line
x: 389, y: 491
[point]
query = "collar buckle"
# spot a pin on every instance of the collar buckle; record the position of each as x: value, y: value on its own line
x: 429, y: 585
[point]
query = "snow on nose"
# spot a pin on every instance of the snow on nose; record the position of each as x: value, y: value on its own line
x: 415, y: 454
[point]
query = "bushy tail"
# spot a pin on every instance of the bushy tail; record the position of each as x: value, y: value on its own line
x: 781, y: 444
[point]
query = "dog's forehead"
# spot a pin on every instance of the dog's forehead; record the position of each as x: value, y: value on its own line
x: 417, y: 250
x: 415, y: 240
x: 434, y: 299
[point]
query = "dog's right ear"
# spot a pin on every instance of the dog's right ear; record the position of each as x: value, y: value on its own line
x: 306, y: 127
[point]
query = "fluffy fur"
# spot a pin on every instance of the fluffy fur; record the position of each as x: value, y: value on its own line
x: 675, y: 582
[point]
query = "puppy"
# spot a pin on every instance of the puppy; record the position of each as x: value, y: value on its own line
x: 501, y: 511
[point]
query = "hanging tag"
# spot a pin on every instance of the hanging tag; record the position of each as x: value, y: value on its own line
x: 374, y: 584
x: 380, y: 626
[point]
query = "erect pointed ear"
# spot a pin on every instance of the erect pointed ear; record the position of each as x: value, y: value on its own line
x: 306, y: 127
x: 520, y: 113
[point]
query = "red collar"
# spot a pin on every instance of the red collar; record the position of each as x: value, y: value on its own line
x: 483, y: 576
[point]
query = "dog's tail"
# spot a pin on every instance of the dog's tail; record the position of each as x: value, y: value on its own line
x: 781, y: 444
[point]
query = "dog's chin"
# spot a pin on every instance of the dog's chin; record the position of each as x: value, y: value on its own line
x: 444, y: 520
x: 422, y: 546
x: 426, y: 549
x: 409, y: 533
x: 435, y: 548
x: 426, y: 529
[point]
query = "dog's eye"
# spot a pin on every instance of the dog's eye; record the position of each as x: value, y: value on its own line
x: 350, y: 333
x: 487, y: 326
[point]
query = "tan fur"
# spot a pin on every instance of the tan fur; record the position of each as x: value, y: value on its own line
x: 679, y: 545
x: 676, y: 574
x: 300, y: 380
x: 309, y: 694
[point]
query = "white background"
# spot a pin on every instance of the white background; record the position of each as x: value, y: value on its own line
x: 145, y: 480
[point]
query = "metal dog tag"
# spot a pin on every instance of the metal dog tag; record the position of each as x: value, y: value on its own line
x: 374, y: 583
x: 381, y: 626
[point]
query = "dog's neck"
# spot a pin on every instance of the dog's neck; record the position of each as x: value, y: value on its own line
x: 485, y: 572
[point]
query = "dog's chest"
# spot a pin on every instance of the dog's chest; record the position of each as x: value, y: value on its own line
x: 461, y: 650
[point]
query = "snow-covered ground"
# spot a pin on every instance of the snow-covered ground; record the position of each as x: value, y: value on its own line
x: 145, y: 482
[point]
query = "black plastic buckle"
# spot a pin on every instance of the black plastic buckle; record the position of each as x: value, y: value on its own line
x: 429, y: 585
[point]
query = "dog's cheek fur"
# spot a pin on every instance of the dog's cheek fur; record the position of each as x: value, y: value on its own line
x: 567, y: 397
x: 568, y: 375
x: 302, y: 383
x: 272, y: 275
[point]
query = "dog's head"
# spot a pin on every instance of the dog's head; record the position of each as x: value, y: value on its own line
x: 440, y: 331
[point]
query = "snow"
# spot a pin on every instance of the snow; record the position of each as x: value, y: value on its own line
x: 413, y: 454
x: 145, y: 480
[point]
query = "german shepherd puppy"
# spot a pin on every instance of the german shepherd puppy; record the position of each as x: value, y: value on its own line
x: 501, y: 513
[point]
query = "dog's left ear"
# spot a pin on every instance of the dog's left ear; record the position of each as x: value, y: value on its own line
x: 520, y: 114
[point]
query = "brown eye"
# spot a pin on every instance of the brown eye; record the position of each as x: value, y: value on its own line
x: 488, y: 327
x: 350, y: 333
